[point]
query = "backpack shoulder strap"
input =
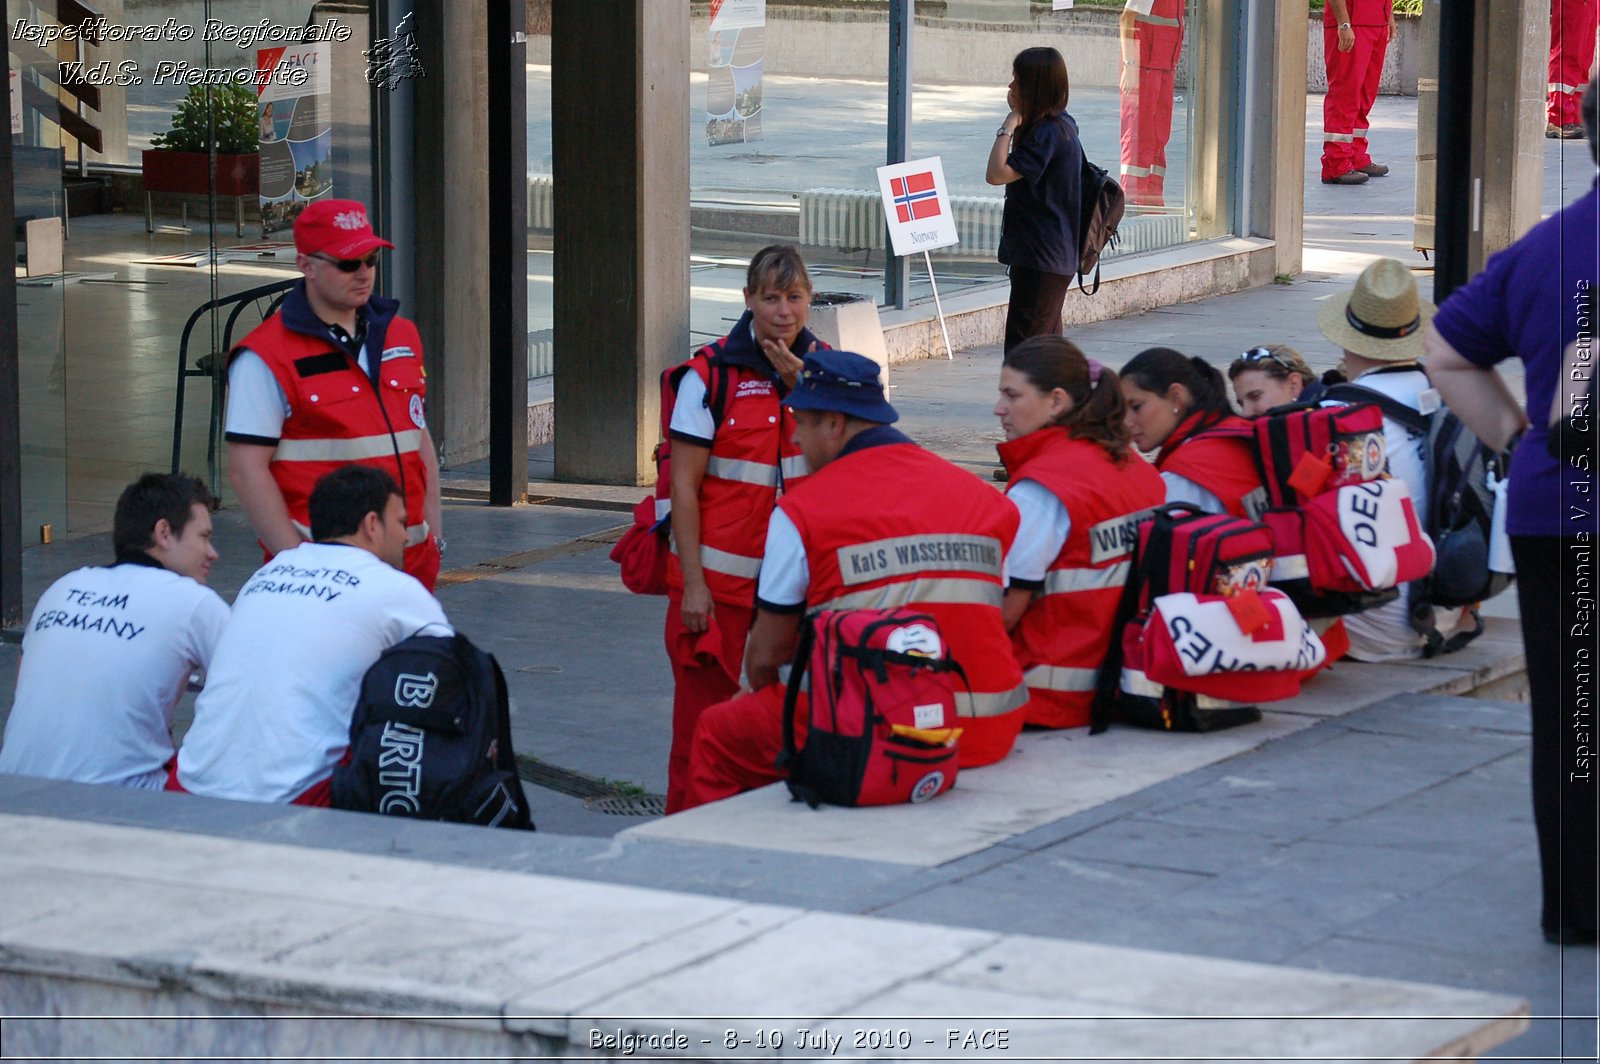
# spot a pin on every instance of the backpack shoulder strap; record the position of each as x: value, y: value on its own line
x: 791, y: 695
x: 1414, y: 420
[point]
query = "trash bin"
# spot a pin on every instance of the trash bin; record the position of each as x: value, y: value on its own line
x: 849, y: 321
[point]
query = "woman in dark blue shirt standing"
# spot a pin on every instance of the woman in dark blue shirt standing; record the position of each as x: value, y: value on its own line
x: 1039, y: 159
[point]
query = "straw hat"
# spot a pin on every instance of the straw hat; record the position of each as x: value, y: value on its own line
x: 1382, y: 318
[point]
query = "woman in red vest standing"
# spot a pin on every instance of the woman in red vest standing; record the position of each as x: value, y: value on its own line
x: 1178, y: 407
x: 732, y: 457
x: 1081, y: 491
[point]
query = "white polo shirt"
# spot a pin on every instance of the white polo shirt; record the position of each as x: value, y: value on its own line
x: 274, y: 718
x: 105, y: 659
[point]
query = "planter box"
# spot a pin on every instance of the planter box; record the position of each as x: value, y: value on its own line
x: 189, y: 171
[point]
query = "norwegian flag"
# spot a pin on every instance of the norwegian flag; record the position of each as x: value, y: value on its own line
x: 914, y: 196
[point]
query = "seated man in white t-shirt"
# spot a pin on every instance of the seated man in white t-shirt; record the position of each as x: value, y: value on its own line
x: 109, y: 649
x: 274, y: 719
x: 1380, y: 323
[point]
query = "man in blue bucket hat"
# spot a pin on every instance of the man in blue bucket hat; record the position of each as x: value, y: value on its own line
x: 880, y: 523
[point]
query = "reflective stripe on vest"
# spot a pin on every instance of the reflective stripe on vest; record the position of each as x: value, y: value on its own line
x: 1564, y: 89
x: 1060, y: 678
x: 1290, y: 567
x: 1067, y: 581
x: 415, y: 534
x: 742, y: 471
x: 990, y: 703
x: 1157, y: 20
x: 947, y: 590
x: 1135, y: 682
x: 1337, y: 138
x: 359, y: 449
x: 728, y: 563
x: 795, y: 466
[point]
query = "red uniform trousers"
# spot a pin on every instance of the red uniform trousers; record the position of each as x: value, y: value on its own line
x: 737, y: 744
x: 701, y: 678
x: 1352, y: 87
x: 1146, y: 128
x: 1572, y: 29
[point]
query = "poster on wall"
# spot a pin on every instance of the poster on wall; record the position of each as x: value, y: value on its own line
x: 296, y: 132
x: 733, y: 73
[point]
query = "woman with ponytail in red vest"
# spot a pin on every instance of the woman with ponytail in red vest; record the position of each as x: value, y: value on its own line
x: 1178, y: 407
x: 1081, y: 491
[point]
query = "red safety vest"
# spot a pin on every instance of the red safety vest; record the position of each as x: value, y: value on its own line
x: 894, y: 524
x: 1220, y: 459
x: 1160, y: 35
x: 336, y: 417
x: 753, y: 459
x: 1066, y: 632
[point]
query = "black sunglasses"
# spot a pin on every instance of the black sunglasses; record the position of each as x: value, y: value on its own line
x: 349, y: 265
x: 1261, y: 354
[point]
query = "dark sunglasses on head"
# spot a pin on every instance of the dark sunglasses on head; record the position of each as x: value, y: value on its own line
x: 1262, y: 354
x: 349, y: 265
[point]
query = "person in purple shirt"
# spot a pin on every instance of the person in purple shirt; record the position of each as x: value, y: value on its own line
x: 1535, y: 301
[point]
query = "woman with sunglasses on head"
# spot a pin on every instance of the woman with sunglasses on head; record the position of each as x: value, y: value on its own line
x: 1178, y: 407
x: 1273, y: 376
x: 1080, y: 489
x: 1038, y: 158
x: 727, y: 474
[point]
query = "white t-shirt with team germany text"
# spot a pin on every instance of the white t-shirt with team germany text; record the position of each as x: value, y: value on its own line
x: 274, y: 718
x: 105, y: 658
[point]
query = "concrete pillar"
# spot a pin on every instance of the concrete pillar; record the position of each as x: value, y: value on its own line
x: 1280, y: 149
x: 620, y: 115
x: 1513, y: 50
x: 451, y: 134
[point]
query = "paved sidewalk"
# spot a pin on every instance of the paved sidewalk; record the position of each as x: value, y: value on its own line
x: 1394, y: 842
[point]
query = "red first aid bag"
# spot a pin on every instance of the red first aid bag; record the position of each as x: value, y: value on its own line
x: 1196, y: 643
x: 1307, y: 451
x: 882, y: 710
x: 642, y: 551
x: 1361, y: 538
x: 1181, y: 549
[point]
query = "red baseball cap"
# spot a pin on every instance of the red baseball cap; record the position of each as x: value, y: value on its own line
x: 337, y: 228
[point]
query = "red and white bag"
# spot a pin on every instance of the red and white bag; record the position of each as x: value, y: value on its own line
x: 1198, y: 643
x: 1359, y: 538
x: 881, y: 717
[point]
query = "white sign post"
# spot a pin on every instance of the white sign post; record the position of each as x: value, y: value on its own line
x: 916, y: 205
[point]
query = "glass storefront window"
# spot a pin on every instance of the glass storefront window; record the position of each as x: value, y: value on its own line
x: 290, y: 80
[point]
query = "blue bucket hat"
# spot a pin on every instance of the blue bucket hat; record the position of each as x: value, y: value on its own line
x: 842, y: 381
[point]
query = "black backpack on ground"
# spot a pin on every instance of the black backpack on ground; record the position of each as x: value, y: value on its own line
x: 1460, y: 514
x: 430, y: 738
x: 1100, y: 207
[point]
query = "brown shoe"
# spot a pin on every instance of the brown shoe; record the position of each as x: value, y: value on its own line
x: 1349, y: 177
x: 1373, y: 169
x: 1568, y: 132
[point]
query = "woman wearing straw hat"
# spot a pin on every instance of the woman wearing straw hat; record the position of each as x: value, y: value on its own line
x: 1379, y: 324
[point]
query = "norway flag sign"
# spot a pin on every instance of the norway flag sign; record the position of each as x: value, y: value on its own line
x: 915, y: 196
x: 916, y: 206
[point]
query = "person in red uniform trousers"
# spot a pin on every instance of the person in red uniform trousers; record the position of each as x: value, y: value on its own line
x: 334, y: 377
x: 1572, y: 30
x: 1355, y: 36
x: 1152, y: 41
x: 726, y: 478
x: 880, y: 522
x: 1080, y: 492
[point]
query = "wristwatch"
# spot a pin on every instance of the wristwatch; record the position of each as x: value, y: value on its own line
x: 1344, y: 25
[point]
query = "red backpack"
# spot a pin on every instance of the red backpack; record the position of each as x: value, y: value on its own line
x: 642, y: 551
x: 1202, y: 636
x: 881, y: 717
x: 1346, y: 535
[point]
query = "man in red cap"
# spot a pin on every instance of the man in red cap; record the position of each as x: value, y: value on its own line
x: 334, y: 377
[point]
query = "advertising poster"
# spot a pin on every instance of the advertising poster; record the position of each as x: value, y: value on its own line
x: 296, y: 133
x: 733, y: 84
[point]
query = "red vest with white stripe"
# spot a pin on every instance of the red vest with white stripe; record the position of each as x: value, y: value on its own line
x: 893, y: 524
x: 753, y: 458
x: 1220, y: 459
x: 1160, y: 34
x: 336, y: 417
x: 1066, y: 632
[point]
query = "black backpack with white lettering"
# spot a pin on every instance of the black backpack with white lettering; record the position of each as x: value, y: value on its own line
x: 430, y: 738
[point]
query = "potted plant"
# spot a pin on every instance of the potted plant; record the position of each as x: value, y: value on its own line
x: 223, y: 118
